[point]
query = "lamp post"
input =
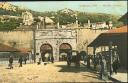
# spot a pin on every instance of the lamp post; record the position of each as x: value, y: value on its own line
x: 110, y: 51
x: 77, y: 30
x: 58, y: 24
x: 76, y: 17
x: 94, y: 53
x: 44, y: 24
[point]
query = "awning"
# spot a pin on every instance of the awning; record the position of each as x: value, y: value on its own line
x: 123, y: 29
x: 116, y: 36
x: 6, y: 48
x: 24, y: 50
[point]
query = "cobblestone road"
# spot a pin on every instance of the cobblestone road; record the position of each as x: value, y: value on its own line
x: 56, y: 72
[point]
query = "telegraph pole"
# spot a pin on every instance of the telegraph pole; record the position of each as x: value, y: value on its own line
x: 34, y: 44
x: 58, y: 23
x: 44, y: 25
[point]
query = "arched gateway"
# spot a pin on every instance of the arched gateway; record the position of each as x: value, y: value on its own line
x: 64, y: 50
x: 55, y: 41
x: 46, y: 50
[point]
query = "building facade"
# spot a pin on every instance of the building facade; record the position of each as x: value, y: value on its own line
x: 55, y: 41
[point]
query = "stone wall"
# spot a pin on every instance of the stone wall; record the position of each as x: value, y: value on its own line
x: 85, y: 37
x: 77, y: 38
x: 18, y: 39
x: 55, y: 37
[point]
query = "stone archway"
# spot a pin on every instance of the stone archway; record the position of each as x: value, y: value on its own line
x: 64, y: 50
x: 46, y: 50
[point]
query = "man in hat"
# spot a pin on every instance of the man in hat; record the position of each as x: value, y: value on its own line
x: 10, y: 62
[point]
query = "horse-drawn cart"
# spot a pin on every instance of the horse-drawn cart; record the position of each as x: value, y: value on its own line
x: 73, y: 57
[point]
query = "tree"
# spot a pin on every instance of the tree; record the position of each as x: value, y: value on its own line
x: 10, y: 25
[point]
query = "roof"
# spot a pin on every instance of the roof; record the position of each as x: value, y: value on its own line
x: 115, y: 35
x: 123, y: 29
x: 6, y: 48
x: 48, y: 20
x: 24, y: 50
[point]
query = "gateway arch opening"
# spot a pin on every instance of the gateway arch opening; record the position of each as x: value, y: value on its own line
x: 64, y: 49
x: 46, y: 52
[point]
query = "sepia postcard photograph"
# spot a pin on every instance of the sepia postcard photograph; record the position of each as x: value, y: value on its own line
x: 63, y: 41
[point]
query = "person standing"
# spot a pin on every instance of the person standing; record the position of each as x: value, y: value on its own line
x: 88, y: 61
x: 115, y: 65
x: 20, y: 61
x: 10, y: 62
x: 52, y: 59
x: 49, y: 58
x: 78, y: 57
x: 68, y: 59
x: 43, y: 57
x: 103, y: 68
x: 25, y: 59
x: 39, y: 62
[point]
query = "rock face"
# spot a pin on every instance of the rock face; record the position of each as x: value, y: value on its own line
x: 7, y: 6
x: 67, y: 11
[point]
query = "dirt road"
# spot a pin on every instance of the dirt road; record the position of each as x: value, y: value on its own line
x: 56, y: 72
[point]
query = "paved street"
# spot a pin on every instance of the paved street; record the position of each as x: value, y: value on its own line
x: 57, y: 72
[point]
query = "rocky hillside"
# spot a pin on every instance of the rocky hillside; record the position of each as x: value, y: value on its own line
x: 12, y: 10
x: 64, y: 16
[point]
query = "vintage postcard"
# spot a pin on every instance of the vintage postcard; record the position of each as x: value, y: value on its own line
x: 63, y: 41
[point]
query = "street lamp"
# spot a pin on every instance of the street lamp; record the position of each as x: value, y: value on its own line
x: 110, y: 51
x: 44, y: 25
x: 76, y: 17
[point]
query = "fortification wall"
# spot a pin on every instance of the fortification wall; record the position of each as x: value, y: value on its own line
x: 18, y: 39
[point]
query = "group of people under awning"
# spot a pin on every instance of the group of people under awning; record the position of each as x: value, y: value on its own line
x: 112, y: 59
x: 105, y: 65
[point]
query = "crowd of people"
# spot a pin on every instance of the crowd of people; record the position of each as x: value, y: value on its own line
x: 101, y: 62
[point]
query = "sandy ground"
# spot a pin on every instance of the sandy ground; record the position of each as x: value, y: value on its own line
x: 56, y: 72
x: 123, y: 77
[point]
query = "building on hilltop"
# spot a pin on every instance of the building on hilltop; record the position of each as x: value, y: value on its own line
x: 27, y: 18
x: 99, y: 25
x: 46, y: 23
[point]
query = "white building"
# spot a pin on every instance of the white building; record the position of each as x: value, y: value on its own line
x: 27, y: 18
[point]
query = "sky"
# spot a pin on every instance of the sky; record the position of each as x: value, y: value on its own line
x: 109, y: 7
